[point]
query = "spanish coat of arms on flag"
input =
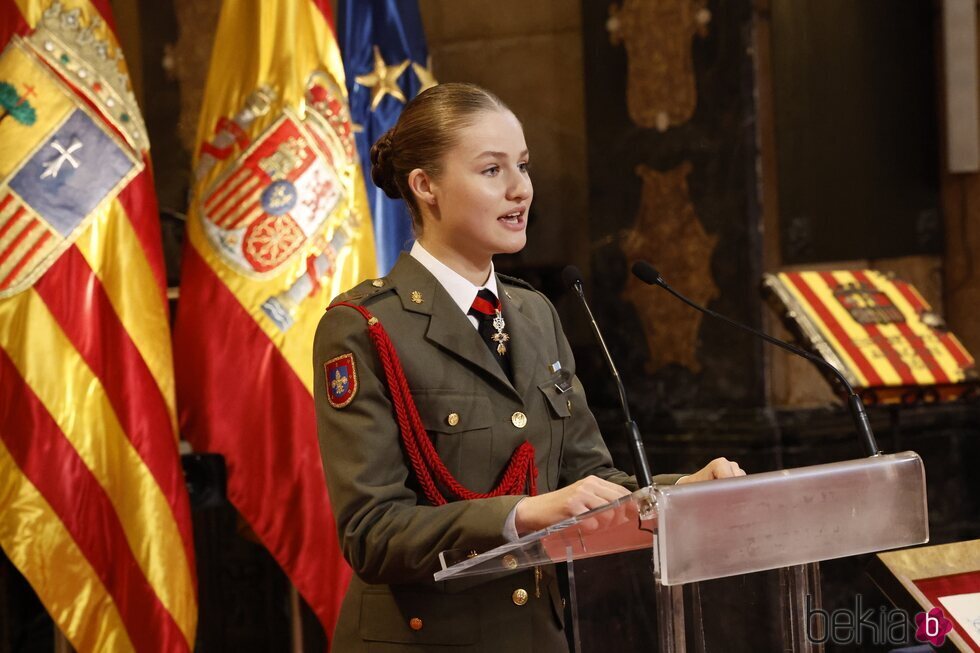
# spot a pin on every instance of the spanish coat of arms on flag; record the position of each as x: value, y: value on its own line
x: 278, y: 225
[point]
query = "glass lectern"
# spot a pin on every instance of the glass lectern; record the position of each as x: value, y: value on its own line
x: 702, y: 531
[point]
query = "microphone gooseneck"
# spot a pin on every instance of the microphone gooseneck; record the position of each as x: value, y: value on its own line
x: 573, y: 279
x: 648, y: 274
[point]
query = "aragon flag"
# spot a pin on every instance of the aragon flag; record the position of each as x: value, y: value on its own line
x: 278, y: 225
x: 93, y: 507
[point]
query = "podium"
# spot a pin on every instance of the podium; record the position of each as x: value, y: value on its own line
x: 702, y: 531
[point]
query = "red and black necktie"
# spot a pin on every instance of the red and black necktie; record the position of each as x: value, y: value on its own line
x: 490, y: 324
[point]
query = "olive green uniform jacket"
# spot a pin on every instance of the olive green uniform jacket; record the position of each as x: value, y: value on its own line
x: 389, y: 534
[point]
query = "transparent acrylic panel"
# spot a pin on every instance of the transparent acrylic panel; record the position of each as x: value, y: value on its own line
x: 616, y: 606
x: 734, y: 526
x: 790, y: 517
x: 613, y: 603
x: 673, y: 563
x: 624, y: 525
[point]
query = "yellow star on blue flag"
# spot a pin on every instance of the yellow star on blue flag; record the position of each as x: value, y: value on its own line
x: 383, y: 80
x: 387, y: 64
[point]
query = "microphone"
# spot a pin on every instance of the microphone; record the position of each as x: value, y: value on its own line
x: 573, y: 279
x: 648, y: 274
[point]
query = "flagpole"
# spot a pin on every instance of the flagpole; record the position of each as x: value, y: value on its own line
x: 61, y: 644
x: 296, y: 618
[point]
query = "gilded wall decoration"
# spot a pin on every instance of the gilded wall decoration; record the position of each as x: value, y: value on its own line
x: 657, y: 35
x: 669, y: 234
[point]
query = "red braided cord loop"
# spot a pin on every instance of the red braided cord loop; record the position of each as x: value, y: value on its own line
x: 429, y: 468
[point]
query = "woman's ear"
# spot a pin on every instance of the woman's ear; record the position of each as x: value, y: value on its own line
x: 420, y: 183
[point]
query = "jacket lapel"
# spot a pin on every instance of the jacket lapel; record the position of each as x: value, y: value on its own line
x: 448, y: 327
x: 525, y: 340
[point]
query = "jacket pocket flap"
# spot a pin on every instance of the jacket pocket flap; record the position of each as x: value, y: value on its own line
x: 449, y: 411
x: 557, y: 398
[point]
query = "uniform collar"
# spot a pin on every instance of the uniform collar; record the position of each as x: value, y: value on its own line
x: 420, y: 292
x: 458, y: 287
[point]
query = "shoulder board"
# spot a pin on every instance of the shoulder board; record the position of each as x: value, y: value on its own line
x: 514, y: 281
x: 364, y: 291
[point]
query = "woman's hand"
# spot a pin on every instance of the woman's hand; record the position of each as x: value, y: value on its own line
x: 717, y: 468
x: 534, y: 513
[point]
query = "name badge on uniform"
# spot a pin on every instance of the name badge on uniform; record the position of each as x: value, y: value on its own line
x: 341, y: 375
x: 564, y: 383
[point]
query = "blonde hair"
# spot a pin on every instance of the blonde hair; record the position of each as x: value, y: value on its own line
x: 426, y: 129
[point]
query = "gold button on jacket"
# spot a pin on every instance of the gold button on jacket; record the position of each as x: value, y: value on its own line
x: 519, y: 597
x: 388, y: 533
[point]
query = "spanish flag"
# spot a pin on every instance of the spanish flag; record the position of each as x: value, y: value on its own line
x: 93, y: 508
x: 278, y: 225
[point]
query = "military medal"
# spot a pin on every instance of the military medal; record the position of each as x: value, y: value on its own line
x: 500, y: 337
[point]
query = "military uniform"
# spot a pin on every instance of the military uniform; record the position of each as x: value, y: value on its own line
x: 476, y: 417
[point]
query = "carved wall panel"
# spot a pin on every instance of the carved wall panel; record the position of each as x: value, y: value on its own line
x: 681, y: 193
x: 668, y: 232
x: 657, y: 34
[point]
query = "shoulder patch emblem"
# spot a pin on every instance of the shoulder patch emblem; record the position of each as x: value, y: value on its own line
x: 341, y: 377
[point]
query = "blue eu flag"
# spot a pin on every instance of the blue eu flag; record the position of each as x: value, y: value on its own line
x: 386, y: 63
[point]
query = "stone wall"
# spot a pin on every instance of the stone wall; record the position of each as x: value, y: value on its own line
x: 530, y: 54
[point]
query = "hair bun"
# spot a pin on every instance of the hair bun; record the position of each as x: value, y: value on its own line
x: 382, y: 167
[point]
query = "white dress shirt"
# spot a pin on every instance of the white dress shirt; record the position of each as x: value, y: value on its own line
x: 459, y: 287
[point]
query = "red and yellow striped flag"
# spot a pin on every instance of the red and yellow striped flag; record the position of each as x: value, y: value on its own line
x: 93, y: 508
x: 879, y: 332
x: 278, y: 226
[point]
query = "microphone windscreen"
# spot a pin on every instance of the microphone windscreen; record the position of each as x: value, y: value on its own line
x: 571, y: 275
x: 647, y: 273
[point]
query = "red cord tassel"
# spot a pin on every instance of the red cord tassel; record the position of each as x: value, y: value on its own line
x: 429, y: 469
